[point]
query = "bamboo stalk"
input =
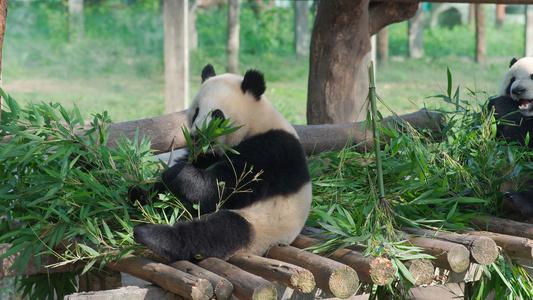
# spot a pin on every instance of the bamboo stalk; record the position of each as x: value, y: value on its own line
x: 245, y: 285
x: 375, y: 130
x: 167, y: 277
x: 222, y: 288
x: 450, y: 256
x: 371, y: 269
x: 514, y: 246
x: 332, y: 277
x: 277, y: 271
x: 483, y: 250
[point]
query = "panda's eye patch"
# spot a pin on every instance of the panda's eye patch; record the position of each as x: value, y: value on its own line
x: 218, y: 114
x: 531, y: 76
x: 195, y: 114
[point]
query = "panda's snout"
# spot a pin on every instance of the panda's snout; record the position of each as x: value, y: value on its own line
x: 517, y: 91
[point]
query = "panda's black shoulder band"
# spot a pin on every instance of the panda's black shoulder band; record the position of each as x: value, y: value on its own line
x: 254, y: 82
x: 208, y: 72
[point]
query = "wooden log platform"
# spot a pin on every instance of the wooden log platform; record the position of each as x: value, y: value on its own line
x: 483, y: 250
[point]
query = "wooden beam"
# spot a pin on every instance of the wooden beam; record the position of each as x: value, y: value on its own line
x: 370, y: 269
x: 482, y: 249
x: 169, y: 278
x: 332, y: 277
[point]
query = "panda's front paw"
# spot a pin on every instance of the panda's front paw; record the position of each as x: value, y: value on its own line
x: 136, y: 193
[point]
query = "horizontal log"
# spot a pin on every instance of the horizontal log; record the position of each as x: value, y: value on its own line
x: 245, y: 285
x: 370, y: 269
x: 503, y: 226
x: 514, y: 246
x: 167, y: 277
x: 276, y: 271
x: 222, y: 288
x: 483, y: 250
x: 448, y: 255
x: 332, y: 277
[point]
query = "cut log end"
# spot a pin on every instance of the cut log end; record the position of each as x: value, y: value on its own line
x: 202, y: 290
x: 382, y: 271
x: 343, y: 282
x: 304, y: 281
x: 459, y: 259
x: 421, y: 270
x: 484, y: 251
x: 266, y: 291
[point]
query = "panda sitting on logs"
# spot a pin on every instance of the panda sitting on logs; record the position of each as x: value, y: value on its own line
x: 273, y: 205
x: 514, y: 108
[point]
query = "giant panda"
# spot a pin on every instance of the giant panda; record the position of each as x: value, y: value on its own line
x: 514, y: 104
x: 268, y: 206
x: 514, y: 108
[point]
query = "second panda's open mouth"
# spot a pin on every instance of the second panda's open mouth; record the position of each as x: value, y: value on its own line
x: 525, y: 104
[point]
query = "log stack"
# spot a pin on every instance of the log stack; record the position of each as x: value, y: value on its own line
x: 247, y: 276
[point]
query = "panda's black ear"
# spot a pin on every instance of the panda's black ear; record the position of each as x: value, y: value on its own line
x: 208, y: 72
x: 512, y: 62
x: 254, y: 82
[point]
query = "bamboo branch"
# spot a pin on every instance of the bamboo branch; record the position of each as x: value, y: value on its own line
x: 222, y: 288
x: 169, y: 278
x: 371, y: 269
x: 245, y: 285
x: 280, y: 272
x: 482, y: 249
x: 332, y: 277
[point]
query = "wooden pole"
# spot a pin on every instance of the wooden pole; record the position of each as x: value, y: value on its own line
x: 482, y: 249
x: 481, y: 38
x: 450, y: 256
x: 515, y: 247
x: 245, y: 285
x: 503, y: 226
x: 332, y: 277
x: 529, y: 30
x: 280, y: 272
x: 222, y: 288
x: 175, y: 15
x: 232, y: 43
x: 370, y: 269
x: 167, y: 277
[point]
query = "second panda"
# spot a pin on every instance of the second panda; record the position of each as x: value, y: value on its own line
x: 268, y: 206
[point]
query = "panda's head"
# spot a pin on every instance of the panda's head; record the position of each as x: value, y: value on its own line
x: 518, y: 84
x: 239, y: 98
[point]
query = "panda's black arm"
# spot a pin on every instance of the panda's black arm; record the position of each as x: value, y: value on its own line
x: 196, y: 185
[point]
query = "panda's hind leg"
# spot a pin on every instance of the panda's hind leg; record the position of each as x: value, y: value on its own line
x: 220, y: 234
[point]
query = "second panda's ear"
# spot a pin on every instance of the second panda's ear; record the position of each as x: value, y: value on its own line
x: 512, y: 62
x: 208, y: 72
x: 254, y: 82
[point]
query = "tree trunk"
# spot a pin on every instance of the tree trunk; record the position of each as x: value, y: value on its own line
x: 340, y: 40
x: 176, y: 55
x: 481, y: 40
x: 301, y: 28
x: 416, y: 34
x: 529, y: 30
x: 3, y: 18
x: 233, y: 36
x: 75, y: 17
x: 383, y: 47
x: 193, y: 30
x: 500, y: 15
